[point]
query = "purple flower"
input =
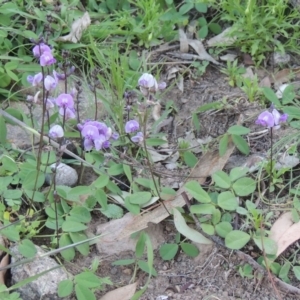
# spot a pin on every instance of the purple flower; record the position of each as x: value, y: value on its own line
x: 49, y: 104
x: 90, y: 132
x: 38, y: 50
x: 47, y: 59
x: 68, y: 112
x: 138, y: 138
x: 99, y: 141
x: 64, y: 101
x: 58, y: 76
x: 271, y: 118
x: 50, y: 83
x: 56, y: 132
x: 36, y: 79
x: 162, y: 85
x: 148, y: 81
x: 115, y: 136
x: 132, y: 126
x: 88, y: 144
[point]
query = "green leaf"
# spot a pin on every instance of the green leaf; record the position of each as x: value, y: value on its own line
x: 188, y: 232
x: 140, y: 198
x: 101, y: 197
x: 83, y: 293
x: 216, y: 216
x: 76, y: 237
x: 29, y: 181
x: 201, y: 7
x: 203, y: 32
x: 236, y: 239
x: 134, y: 61
x: 101, y: 182
x: 112, y: 211
x: 88, y: 279
x: 127, y: 171
x: 221, y: 179
x: 186, y: 7
x: 241, y: 144
x: 271, y: 96
x: 242, y: 211
x: 27, y: 248
x: 190, y: 159
x: 208, y: 228
x: 284, y: 271
x: 223, y: 144
x: 133, y: 208
x: 80, y: 214
x: 223, y: 228
x: 75, y: 193
x: 72, y: 226
x: 140, y: 245
x: 12, y: 194
x: 203, y: 209
x: 244, y: 186
x: 227, y: 201
x: 65, y: 288
x: 155, y: 142
x: 296, y: 270
x: 197, y: 192
x: 239, y: 130
x: 189, y: 249
x: 143, y: 265
x: 123, y: 262
x: 3, y: 131
x: 69, y: 253
x: 238, y: 172
x: 215, y: 28
x: 115, y: 170
x: 168, y: 251
x: 267, y: 244
x: 9, y: 164
x: 195, y: 121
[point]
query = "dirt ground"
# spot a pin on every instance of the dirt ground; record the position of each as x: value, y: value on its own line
x: 214, y: 273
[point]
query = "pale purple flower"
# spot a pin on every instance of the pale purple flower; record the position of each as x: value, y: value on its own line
x: 38, y: 50
x: 50, y: 83
x: 162, y: 85
x: 148, y: 81
x: 265, y: 119
x: 68, y: 112
x: 90, y: 132
x: 47, y: 59
x: 132, y: 126
x: 138, y: 138
x: 56, y: 132
x: 271, y: 118
x: 115, y: 136
x: 49, y: 104
x: 36, y: 79
x: 64, y: 101
x: 58, y: 76
x: 99, y: 141
x: 88, y: 144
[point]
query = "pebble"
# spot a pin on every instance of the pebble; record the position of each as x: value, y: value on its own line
x: 281, y: 58
x: 127, y: 271
x: 65, y: 175
x: 114, y: 271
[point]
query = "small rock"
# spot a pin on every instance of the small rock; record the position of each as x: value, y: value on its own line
x: 65, y: 175
x: 44, y: 287
x: 279, y: 58
x: 127, y: 271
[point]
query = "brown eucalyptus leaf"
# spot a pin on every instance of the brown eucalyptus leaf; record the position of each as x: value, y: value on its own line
x: 4, y: 262
x: 122, y: 293
x: 285, y: 232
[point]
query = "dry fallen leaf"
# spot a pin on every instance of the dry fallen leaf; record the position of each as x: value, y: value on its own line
x: 122, y: 293
x: 183, y: 40
x: 265, y: 82
x: 77, y: 29
x: 285, y: 232
x: 221, y: 39
x: 4, y: 263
